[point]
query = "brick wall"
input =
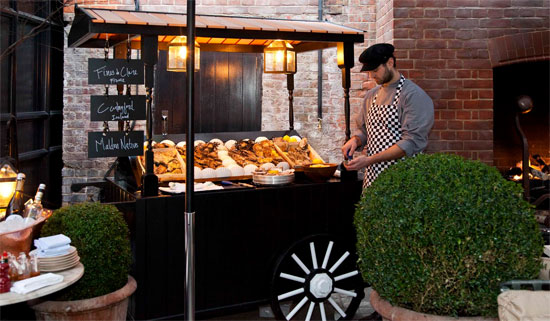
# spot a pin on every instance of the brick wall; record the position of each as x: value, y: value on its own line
x: 443, y: 46
x: 520, y: 47
x: 384, y: 21
x: 77, y: 167
x: 76, y: 99
x: 440, y: 44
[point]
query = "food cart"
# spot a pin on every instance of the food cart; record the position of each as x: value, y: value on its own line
x: 288, y: 245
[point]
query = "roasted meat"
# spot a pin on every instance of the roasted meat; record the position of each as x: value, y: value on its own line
x: 299, y: 152
x: 247, y: 152
x: 165, y: 161
x: 206, y: 155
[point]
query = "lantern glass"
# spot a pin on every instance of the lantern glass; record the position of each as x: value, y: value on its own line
x: 8, y: 178
x: 291, y: 62
x: 279, y: 58
x: 177, y: 55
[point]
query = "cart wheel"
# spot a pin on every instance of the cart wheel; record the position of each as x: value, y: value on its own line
x: 316, y: 278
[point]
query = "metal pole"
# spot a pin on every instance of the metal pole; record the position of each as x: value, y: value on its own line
x: 524, y: 159
x: 189, y: 186
x: 320, y: 74
x: 189, y: 306
x: 525, y: 105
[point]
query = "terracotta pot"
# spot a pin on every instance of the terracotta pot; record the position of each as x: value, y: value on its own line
x: 392, y: 313
x: 110, y: 306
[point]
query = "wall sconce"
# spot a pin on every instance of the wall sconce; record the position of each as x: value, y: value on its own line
x: 279, y: 58
x: 177, y: 55
x: 8, y: 177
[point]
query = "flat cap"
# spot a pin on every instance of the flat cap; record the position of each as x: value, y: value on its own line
x: 376, y: 55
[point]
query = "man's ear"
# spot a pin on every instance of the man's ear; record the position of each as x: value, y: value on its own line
x: 391, y: 62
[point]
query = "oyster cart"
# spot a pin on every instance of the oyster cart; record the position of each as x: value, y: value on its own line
x: 289, y: 245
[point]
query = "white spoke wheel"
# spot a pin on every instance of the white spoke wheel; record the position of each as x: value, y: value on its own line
x: 317, y: 278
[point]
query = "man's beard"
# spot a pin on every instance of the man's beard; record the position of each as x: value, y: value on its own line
x: 386, y: 77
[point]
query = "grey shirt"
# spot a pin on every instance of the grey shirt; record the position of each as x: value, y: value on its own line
x: 416, y: 115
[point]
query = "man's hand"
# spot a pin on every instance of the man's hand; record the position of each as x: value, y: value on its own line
x: 350, y: 146
x: 358, y: 162
x: 394, y: 152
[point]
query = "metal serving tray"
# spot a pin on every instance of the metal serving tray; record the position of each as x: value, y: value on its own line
x: 273, y: 180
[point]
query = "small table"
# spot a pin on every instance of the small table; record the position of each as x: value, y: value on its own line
x: 70, y: 276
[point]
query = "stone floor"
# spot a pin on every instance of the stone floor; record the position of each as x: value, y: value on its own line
x: 264, y: 313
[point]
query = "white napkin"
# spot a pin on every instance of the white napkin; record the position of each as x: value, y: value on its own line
x: 206, y: 186
x: 35, y: 283
x: 177, y: 187
x: 49, y: 242
x: 56, y: 251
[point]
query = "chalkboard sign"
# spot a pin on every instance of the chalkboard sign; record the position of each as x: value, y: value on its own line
x: 115, y: 71
x: 119, y: 107
x: 114, y: 144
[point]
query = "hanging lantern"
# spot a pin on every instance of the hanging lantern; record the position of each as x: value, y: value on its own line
x: 177, y: 55
x: 279, y: 58
x: 8, y: 177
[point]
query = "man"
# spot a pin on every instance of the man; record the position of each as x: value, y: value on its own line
x: 395, y: 118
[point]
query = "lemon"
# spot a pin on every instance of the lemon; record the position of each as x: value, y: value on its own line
x: 286, y: 138
x: 317, y: 161
x: 292, y: 140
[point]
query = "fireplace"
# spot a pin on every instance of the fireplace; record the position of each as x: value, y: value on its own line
x: 531, y: 79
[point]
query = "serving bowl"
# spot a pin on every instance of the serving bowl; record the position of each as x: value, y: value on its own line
x: 20, y: 240
x: 320, y: 172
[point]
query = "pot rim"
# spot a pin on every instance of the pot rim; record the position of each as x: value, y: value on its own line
x: 95, y: 303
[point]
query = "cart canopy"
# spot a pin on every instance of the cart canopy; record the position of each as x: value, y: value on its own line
x: 92, y: 26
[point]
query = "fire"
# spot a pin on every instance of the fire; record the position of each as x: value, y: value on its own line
x: 533, y: 166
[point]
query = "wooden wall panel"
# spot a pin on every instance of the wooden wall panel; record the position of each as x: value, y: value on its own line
x: 227, y: 94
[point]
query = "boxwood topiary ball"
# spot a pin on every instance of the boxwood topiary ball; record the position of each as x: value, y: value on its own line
x: 100, y: 236
x: 438, y: 234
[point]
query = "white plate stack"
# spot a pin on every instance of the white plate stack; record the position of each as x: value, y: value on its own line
x: 60, y: 262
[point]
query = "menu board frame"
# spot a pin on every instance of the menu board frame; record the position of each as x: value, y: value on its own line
x: 117, y: 108
x: 115, y: 71
x: 115, y: 144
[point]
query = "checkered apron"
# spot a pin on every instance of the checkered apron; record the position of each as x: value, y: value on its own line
x: 383, y: 131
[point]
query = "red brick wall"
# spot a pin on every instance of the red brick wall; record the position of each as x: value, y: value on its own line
x: 519, y: 47
x: 443, y: 47
x: 384, y: 21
